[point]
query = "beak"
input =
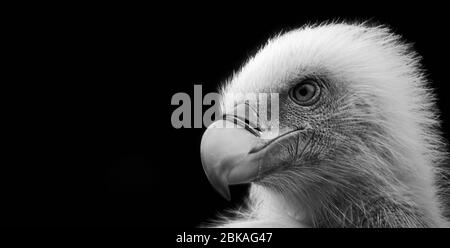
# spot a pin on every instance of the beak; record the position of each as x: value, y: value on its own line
x: 235, y: 154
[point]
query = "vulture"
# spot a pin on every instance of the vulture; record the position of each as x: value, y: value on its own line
x: 358, y: 141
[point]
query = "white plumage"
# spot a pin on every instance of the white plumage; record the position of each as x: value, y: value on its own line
x: 383, y: 124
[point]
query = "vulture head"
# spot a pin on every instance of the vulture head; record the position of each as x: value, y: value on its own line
x: 357, y: 141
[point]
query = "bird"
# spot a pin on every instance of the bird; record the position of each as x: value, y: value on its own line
x: 357, y: 140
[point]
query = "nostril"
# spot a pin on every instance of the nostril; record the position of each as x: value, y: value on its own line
x: 245, y: 123
x: 258, y: 129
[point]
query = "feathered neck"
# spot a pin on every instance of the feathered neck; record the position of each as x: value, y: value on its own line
x: 269, y: 209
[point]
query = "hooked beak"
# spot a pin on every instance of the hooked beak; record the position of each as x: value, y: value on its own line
x: 235, y: 154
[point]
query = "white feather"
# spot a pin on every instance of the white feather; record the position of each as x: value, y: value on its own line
x: 374, y: 62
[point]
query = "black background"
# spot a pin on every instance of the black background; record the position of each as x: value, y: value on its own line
x: 92, y: 140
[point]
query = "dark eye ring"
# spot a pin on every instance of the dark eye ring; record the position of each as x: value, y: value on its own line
x: 305, y: 93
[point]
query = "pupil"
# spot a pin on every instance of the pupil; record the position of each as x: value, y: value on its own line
x: 303, y: 91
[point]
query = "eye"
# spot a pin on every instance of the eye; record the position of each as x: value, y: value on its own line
x: 305, y: 93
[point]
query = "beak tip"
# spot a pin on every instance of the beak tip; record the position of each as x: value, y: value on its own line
x: 225, y: 193
x: 220, y: 185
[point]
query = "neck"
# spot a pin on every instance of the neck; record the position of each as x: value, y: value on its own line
x: 378, y: 212
x: 374, y: 211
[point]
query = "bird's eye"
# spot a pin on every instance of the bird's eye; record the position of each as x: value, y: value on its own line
x: 305, y: 93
